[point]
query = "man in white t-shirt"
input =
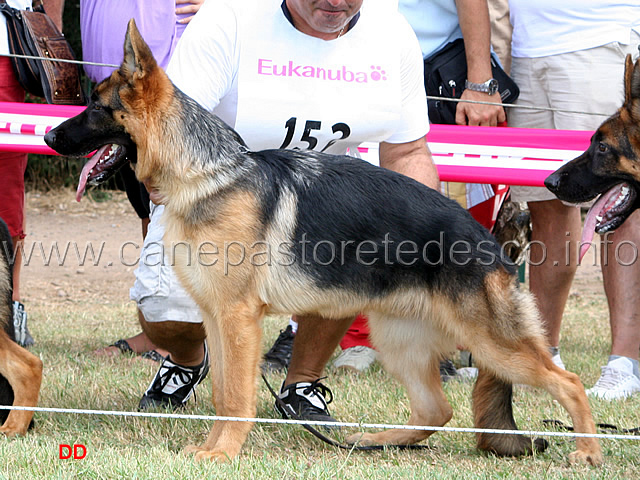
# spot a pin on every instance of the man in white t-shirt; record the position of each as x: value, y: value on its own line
x: 569, y: 54
x: 303, y: 74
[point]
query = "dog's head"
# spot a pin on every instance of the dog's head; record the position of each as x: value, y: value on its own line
x: 112, y: 125
x: 611, y: 165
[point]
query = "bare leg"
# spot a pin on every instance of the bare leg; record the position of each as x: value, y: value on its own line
x: 139, y: 343
x: 315, y: 342
x: 550, y: 278
x: 621, y: 273
x: 184, y: 341
x: 17, y: 266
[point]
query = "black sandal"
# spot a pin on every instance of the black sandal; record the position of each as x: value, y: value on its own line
x: 153, y: 355
x: 123, y: 346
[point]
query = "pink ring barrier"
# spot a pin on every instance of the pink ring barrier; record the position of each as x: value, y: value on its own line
x: 511, y: 156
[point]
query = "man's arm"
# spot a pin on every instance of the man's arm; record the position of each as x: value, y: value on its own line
x: 54, y: 9
x: 412, y: 159
x: 473, y: 16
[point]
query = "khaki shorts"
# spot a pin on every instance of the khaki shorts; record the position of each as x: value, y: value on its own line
x: 586, y: 81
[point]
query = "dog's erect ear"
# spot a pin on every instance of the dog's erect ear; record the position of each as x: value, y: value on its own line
x: 138, y: 60
x: 632, y: 87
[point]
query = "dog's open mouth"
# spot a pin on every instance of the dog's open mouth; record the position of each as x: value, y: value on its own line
x: 607, y: 213
x: 101, y: 166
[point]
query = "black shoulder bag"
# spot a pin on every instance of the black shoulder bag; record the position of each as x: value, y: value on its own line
x: 445, y: 73
x: 33, y: 33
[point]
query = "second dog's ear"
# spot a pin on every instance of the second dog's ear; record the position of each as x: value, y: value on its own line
x: 138, y: 60
x: 635, y: 90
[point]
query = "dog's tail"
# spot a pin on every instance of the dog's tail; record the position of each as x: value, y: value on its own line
x: 6, y: 310
x: 492, y: 409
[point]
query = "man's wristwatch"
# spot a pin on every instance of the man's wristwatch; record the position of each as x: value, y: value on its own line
x: 490, y: 86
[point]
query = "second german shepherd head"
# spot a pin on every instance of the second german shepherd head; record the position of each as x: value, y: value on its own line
x: 611, y: 165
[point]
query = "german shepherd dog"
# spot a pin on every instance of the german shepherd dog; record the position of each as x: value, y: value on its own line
x: 611, y: 166
x: 20, y: 370
x: 318, y: 234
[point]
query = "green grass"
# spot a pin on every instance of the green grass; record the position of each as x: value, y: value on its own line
x: 117, y: 447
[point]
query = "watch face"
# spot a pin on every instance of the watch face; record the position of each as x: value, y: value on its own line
x: 493, y: 86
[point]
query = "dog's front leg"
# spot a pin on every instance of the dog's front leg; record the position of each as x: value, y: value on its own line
x: 235, y: 340
x: 23, y: 371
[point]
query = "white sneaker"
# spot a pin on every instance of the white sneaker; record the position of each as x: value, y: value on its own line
x: 356, y: 358
x: 617, y: 381
x: 466, y: 373
x: 558, y: 361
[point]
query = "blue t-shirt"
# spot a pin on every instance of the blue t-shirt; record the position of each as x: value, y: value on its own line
x: 434, y: 21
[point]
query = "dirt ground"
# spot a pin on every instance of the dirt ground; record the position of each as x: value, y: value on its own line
x: 57, y: 224
x: 112, y: 229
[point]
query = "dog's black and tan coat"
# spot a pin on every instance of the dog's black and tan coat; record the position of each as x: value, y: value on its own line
x: 20, y: 370
x: 300, y: 232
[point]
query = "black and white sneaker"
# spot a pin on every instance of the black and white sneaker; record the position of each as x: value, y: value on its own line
x: 23, y: 337
x: 308, y: 400
x: 447, y: 370
x: 279, y: 355
x: 174, y: 384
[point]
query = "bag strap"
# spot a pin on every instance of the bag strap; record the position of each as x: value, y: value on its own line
x: 36, y: 5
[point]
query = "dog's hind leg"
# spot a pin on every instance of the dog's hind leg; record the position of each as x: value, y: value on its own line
x: 234, y: 337
x: 568, y: 390
x: 507, y: 340
x: 492, y: 409
x: 23, y: 371
x: 404, y: 351
x: 531, y: 364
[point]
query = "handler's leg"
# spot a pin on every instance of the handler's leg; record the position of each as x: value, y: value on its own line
x: 315, y: 342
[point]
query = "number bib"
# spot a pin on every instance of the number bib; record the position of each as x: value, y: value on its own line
x: 309, y: 94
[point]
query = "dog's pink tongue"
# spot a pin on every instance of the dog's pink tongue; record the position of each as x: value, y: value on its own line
x: 598, y: 208
x: 84, y: 175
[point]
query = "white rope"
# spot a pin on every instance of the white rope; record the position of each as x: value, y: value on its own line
x: 511, y: 105
x: 63, y: 60
x: 429, y: 97
x: 362, y: 425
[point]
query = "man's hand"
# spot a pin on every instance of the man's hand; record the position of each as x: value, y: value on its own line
x: 192, y: 7
x: 479, y: 114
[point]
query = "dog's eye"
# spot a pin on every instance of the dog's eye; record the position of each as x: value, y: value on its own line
x: 603, y: 147
x: 97, y: 107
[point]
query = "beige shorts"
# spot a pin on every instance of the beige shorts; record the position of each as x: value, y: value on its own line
x: 586, y: 81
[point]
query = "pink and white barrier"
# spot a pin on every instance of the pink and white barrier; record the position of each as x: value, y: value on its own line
x: 512, y: 156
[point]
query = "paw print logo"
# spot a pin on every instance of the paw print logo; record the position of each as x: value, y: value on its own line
x: 377, y: 73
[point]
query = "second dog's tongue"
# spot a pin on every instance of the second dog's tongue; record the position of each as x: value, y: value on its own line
x: 590, y: 221
x: 84, y: 175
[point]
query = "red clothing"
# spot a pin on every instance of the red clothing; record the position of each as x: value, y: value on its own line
x: 12, y: 165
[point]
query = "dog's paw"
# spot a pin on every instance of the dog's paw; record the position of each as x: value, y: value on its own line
x: 192, y: 449
x: 12, y: 431
x: 364, y: 439
x: 593, y: 457
x: 202, y: 454
x: 213, y: 456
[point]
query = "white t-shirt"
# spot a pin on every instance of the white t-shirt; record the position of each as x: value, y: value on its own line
x: 551, y: 27
x: 280, y: 88
x: 20, y: 5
